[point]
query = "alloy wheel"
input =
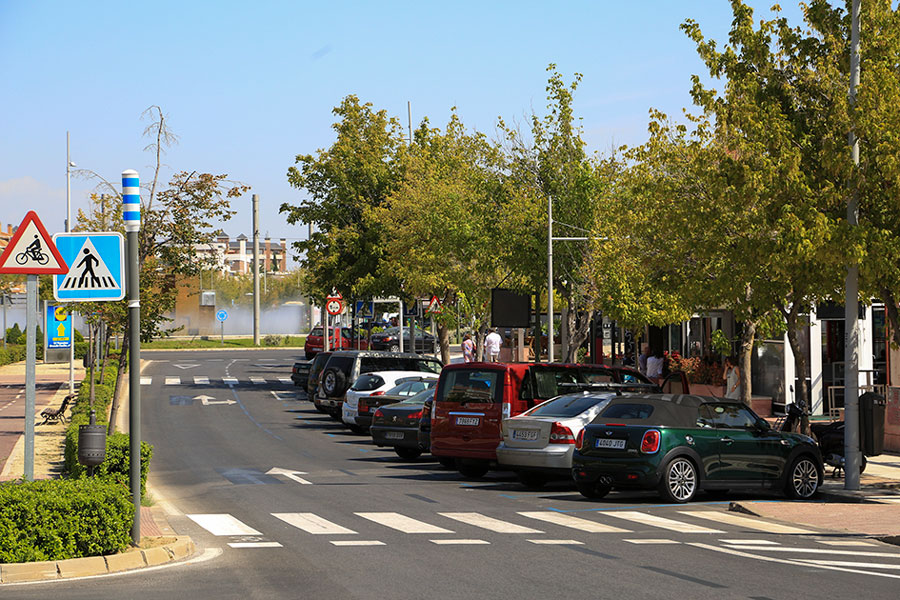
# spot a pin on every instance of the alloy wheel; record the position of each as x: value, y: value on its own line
x: 681, y: 478
x: 805, y: 478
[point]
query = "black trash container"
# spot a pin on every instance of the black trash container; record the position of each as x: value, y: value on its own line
x: 91, y: 443
x: 871, y: 423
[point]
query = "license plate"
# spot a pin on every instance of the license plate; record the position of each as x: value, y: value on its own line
x: 525, y: 434
x: 614, y: 444
x: 393, y: 435
x: 467, y: 420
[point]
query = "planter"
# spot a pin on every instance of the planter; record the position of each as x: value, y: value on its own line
x: 761, y: 405
x: 706, y: 389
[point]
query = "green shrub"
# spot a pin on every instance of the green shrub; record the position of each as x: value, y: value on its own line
x: 12, y: 354
x: 273, y: 340
x: 59, y: 519
x: 13, y: 335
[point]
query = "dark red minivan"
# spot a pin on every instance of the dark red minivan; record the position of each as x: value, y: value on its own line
x: 472, y: 399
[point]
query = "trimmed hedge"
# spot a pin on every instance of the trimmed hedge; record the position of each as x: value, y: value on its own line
x: 11, y: 354
x: 116, y: 467
x: 63, y: 518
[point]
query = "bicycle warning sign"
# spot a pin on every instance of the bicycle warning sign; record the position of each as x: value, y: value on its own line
x: 97, y: 267
x: 31, y: 251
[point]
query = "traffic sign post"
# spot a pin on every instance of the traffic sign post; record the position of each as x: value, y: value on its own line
x: 31, y: 252
x: 221, y: 315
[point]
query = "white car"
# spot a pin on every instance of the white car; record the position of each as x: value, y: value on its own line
x: 538, y: 444
x: 375, y: 384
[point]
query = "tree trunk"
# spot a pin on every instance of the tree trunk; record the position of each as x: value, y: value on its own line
x: 893, y: 316
x: 479, y: 342
x: 792, y: 323
x: 444, y: 339
x: 120, y: 381
x: 105, y: 352
x: 744, y: 360
x: 579, y: 324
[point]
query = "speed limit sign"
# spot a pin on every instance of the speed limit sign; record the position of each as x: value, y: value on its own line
x: 334, y: 305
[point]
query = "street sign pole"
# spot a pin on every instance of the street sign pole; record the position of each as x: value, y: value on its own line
x: 31, y: 317
x: 131, y: 198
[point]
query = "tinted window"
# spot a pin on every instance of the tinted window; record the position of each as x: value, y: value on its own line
x: 550, y: 382
x: 319, y: 362
x: 316, y: 331
x: 471, y: 386
x: 367, y: 383
x: 628, y: 411
x: 732, y: 416
x: 567, y: 406
x: 397, y: 363
x: 344, y: 363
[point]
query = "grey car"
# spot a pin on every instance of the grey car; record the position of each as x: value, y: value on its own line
x: 538, y: 444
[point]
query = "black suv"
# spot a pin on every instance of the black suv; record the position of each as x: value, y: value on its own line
x: 343, y: 367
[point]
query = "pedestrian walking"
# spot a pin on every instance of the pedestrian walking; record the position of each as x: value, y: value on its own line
x: 468, y: 348
x: 642, y: 359
x: 732, y: 379
x: 492, y: 345
x: 655, y: 365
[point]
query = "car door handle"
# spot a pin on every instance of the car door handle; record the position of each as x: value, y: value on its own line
x: 726, y: 439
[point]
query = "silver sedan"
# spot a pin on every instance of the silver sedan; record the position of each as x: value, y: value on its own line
x: 538, y: 444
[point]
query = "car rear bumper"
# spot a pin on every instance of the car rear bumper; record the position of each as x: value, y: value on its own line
x: 621, y: 472
x: 456, y: 451
x: 330, y: 403
x: 548, y: 457
x: 410, y: 436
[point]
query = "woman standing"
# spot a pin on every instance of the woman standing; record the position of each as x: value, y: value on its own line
x: 468, y: 348
x: 732, y: 379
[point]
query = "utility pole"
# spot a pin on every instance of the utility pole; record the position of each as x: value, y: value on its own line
x: 69, y: 165
x: 131, y: 215
x: 550, y: 279
x: 851, y: 297
x: 255, y: 270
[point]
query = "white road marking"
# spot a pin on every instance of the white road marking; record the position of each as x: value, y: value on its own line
x: 285, y: 380
x: 173, y: 380
x: 661, y: 522
x: 257, y: 380
x: 489, y: 523
x: 827, y: 551
x: 748, y: 522
x: 357, y: 543
x: 222, y: 524
x: 651, y: 541
x: 201, y: 380
x: 255, y: 545
x: 229, y: 380
x: 749, y: 542
x: 845, y: 563
x: 845, y: 543
x: 146, y: 380
x: 573, y: 522
x: 312, y: 523
x: 447, y: 542
x: 401, y: 522
x: 558, y: 542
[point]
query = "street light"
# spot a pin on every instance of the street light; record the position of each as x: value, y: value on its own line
x: 69, y: 165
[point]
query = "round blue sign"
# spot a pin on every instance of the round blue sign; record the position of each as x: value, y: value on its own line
x: 221, y: 315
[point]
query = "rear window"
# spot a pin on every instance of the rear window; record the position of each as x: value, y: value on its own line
x: 343, y: 363
x: 628, y: 411
x: 567, y: 406
x: 319, y: 361
x: 368, y: 364
x: 367, y: 383
x: 551, y: 382
x: 470, y: 386
x: 316, y: 331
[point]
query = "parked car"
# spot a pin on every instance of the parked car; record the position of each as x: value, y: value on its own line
x: 392, y: 385
x: 345, y: 341
x: 367, y: 405
x: 473, y: 398
x: 315, y: 372
x: 680, y: 445
x: 345, y: 366
x: 300, y: 373
x: 538, y: 444
x: 397, y: 425
x: 389, y: 339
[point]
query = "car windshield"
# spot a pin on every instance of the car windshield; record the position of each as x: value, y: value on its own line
x: 551, y: 382
x: 471, y: 386
x: 369, y: 364
x: 567, y: 406
x: 342, y: 363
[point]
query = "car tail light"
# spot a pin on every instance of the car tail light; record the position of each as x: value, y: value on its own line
x: 377, y: 394
x: 416, y: 415
x: 650, y: 442
x: 579, y: 441
x: 560, y: 434
x: 378, y: 414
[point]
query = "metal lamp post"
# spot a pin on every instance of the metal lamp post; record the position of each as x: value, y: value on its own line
x: 69, y: 165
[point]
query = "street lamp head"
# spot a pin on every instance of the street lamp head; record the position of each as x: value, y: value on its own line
x: 72, y: 163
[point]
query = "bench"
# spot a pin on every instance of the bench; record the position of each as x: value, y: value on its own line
x: 57, y: 415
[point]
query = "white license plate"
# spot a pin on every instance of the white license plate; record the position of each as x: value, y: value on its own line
x: 525, y: 434
x: 614, y: 444
x: 467, y: 420
x: 393, y: 435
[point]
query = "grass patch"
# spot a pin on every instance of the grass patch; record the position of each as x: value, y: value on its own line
x: 289, y: 341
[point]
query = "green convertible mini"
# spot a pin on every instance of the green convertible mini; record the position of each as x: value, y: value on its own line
x: 679, y: 445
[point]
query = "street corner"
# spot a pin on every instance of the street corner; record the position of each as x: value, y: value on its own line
x: 830, y: 515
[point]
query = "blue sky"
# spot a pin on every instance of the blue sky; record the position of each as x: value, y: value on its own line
x: 249, y: 85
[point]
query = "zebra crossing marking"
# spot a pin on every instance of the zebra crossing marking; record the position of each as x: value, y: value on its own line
x: 173, y: 380
x: 558, y: 542
x: 255, y: 545
x: 651, y: 541
x: 200, y: 380
x: 452, y: 542
x: 401, y: 522
x: 222, y: 524
x: 573, y: 522
x: 357, y: 543
x: 146, y: 380
x: 749, y: 523
x: 230, y: 380
x: 489, y: 523
x: 661, y: 522
x: 845, y: 543
x: 285, y: 380
x: 257, y: 380
x: 749, y: 542
x: 312, y: 523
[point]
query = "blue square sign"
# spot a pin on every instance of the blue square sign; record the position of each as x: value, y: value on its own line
x: 96, y: 267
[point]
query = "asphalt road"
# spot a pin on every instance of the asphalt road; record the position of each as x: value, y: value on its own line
x: 345, y: 519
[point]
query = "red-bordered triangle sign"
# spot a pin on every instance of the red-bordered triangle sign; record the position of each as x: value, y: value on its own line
x: 434, y: 306
x: 31, y: 251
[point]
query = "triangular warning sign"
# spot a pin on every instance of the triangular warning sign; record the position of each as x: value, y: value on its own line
x: 88, y: 271
x: 434, y: 306
x: 31, y: 251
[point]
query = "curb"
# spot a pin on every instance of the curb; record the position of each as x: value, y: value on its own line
x: 135, y: 558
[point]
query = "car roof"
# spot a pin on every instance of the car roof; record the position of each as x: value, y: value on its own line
x: 384, y: 353
x: 675, y: 410
x: 401, y: 374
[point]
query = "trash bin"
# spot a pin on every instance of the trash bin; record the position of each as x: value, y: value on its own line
x: 871, y: 423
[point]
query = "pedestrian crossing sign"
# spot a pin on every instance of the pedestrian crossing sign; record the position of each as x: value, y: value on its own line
x: 96, y: 267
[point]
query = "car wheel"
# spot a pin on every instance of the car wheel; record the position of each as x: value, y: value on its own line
x: 862, y: 463
x: 472, y: 470
x: 533, y: 481
x: 358, y: 430
x: 679, y: 481
x: 334, y: 382
x: 447, y: 462
x: 804, y: 479
x: 593, y: 489
x: 394, y: 348
x: 408, y: 453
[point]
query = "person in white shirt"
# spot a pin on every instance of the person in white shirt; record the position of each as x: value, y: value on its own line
x: 492, y: 346
x: 655, y: 365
